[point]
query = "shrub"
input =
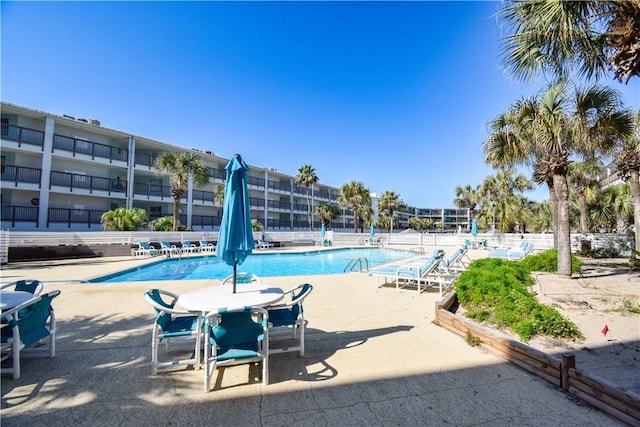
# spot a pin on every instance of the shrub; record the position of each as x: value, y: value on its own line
x: 496, y: 291
x: 547, y: 261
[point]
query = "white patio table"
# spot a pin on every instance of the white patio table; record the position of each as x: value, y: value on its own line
x: 211, y: 298
x: 10, y: 299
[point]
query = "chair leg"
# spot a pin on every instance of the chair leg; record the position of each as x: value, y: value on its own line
x: 155, y: 343
x: 302, y: 339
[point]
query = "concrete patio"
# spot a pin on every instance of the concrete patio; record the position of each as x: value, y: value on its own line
x: 373, y: 357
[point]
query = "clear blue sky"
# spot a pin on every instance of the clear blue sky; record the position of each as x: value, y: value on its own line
x: 396, y: 95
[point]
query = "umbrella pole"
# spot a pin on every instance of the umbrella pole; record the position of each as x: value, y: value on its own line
x: 235, y: 266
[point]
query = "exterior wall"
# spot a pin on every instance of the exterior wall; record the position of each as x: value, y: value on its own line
x: 61, y: 174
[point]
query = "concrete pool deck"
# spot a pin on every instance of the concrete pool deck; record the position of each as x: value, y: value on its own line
x: 373, y: 357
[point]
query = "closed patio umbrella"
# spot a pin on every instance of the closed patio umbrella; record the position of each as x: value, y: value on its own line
x: 372, y: 230
x: 322, y: 230
x: 474, y: 230
x: 235, y: 241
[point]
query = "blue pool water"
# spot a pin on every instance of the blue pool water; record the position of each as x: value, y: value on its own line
x: 331, y: 261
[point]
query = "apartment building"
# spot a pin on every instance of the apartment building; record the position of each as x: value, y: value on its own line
x: 61, y: 173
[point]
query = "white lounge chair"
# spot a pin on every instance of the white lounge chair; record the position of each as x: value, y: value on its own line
x: 419, y: 272
x: 145, y: 249
x: 166, y: 248
x: 205, y: 246
x: 515, y: 253
x: 187, y: 246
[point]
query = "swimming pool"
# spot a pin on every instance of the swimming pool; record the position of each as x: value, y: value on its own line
x: 331, y: 261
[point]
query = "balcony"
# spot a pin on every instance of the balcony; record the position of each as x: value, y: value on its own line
x: 20, y: 174
x: 144, y: 159
x: 14, y: 214
x: 278, y: 205
x: 148, y: 190
x: 218, y: 174
x: 89, y: 148
x: 279, y: 186
x: 22, y: 135
x: 255, y: 202
x: 278, y: 224
x: 74, y: 216
x: 75, y: 181
x: 203, y: 196
x: 205, y: 221
x: 253, y: 181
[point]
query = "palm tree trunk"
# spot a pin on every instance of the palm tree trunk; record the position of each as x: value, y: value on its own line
x: 554, y: 211
x: 309, y: 210
x: 634, y: 183
x: 563, y: 230
x: 584, y: 219
x: 176, y: 213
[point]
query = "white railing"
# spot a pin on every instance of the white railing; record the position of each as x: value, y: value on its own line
x: 539, y: 241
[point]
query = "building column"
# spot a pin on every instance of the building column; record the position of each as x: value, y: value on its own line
x: 45, y: 176
x: 189, y: 200
x: 131, y: 161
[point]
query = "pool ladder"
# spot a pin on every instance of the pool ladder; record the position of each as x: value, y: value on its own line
x: 357, y: 261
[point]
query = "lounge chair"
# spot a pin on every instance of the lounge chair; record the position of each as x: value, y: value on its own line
x: 205, y: 246
x: 417, y: 272
x: 289, y: 318
x: 242, y: 278
x: 21, y: 334
x: 515, y: 253
x: 169, y: 249
x: 232, y: 337
x: 171, y: 323
x: 261, y: 244
x: 187, y: 246
x: 145, y: 249
x: 457, y: 262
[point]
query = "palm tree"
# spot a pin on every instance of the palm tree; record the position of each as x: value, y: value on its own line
x: 500, y: 199
x: 181, y: 168
x: 122, y: 219
x: 557, y: 36
x: 628, y: 164
x: 356, y: 196
x: 467, y: 197
x: 547, y: 131
x: 390, y: 202
x: 614, y: 208
x: 327, y: 212
x: 307, y: 176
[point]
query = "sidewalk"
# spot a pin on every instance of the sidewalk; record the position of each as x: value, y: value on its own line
x: 373, y: 357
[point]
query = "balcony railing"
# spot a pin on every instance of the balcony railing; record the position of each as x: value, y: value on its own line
x: 205, y: 221
x: 87, y: 182
x: 74, y: 216
x: 276, y: 204
x: 217, y: 173
x: 15, y: 214
x: 300, y: 207
x: 144, y: 159
x: 20, y: 174
x: 255, y: 181
x: 22, y: 135
x: 203, y: 196
x: 89, y: 148
x: 152, y: 190
x: 278, y: 224
x: 279, y: 186
x: 254, y: 202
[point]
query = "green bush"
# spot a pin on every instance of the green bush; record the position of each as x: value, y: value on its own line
x: 547, y: 262
x: 497, y: 291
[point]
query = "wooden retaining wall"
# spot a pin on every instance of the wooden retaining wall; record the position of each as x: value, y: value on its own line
x: 561, y: 372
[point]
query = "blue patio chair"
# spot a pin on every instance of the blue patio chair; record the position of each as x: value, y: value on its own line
x: 28, y: 333
x: 244, y: 278
x: 169, y: 249
x: 289, y: 315
x: 233, y: 337
x: 32, y: 286
x: 145, y: 249
x: 171, y: 323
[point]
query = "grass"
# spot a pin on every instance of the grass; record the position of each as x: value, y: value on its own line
x: 496, y: 291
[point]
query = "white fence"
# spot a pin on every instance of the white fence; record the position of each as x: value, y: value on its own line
x: 540, y: 242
